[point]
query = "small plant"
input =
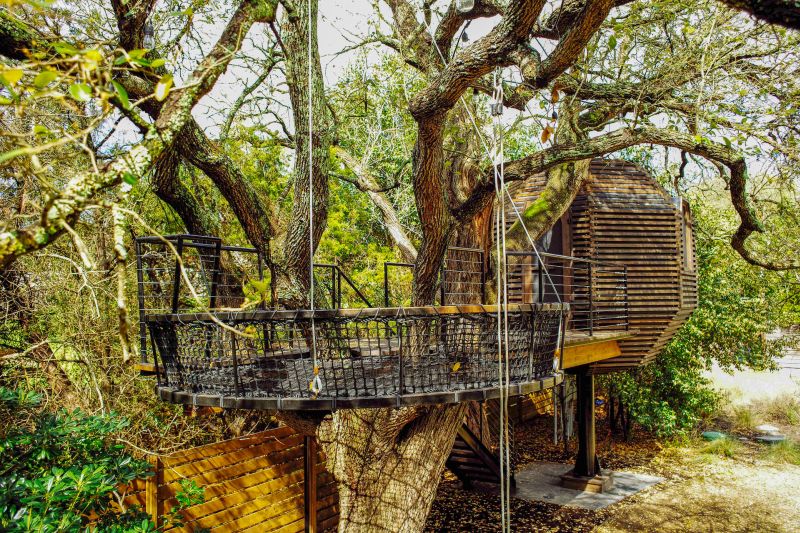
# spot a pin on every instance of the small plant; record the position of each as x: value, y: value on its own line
x: 786, y: 452
x: 726, y: 447
x: 743, y: 418
x: 783, y: 409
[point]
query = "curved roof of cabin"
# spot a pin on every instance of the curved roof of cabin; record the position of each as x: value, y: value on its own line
x: 612, y: 184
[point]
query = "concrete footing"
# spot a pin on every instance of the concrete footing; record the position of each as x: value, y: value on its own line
x: 542, y: 482
x: 602, y: 482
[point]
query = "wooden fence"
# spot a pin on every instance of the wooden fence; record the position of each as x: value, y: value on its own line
x: 262, y: 482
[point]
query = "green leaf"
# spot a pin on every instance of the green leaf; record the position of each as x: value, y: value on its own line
x: 10, y: 77
x: 612, y: 42
x: 65, y: 49
x: 44, y: 78
x: 122, y: 94
x: 80, y: 92
x: 129, y: 178
x: 163, y: 87
x: 157, y: 63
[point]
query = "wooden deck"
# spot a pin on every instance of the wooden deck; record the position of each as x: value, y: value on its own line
x: 581, y: 348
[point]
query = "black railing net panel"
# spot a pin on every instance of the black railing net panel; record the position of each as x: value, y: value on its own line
x: 597, y: 292
x: 358, y: 357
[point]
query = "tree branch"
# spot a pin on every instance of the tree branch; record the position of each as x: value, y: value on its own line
x: 81, y: 190
x: 366, y: 182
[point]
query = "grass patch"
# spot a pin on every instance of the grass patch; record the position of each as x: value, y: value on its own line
x: 727, y: 448
x: 743, y: 418
x: 783, y: 409
x: 786, y: 452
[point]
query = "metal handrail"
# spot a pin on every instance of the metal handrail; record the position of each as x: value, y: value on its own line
x: 566, y: 257
x: 386, y: 266
x: 337, y: 276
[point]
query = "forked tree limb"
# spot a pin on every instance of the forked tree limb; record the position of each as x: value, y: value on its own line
x: 367, y: 183
x: 624, y: 138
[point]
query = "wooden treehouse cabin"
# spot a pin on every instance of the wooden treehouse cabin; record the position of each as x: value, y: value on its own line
x: 620, y: 219
x: 605, y: 290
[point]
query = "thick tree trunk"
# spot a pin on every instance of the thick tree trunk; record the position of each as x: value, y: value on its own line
x: 434, y: 214
x: 388, y: 463
x: 298, y: 248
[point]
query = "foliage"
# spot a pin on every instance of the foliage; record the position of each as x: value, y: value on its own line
x: 60, y: 470
x: 787, y: 452
x: 782, y: 409
x: 725, y: 447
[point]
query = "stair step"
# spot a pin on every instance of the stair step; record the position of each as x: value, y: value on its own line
x: 462, y: 453
x: 476, y: 470
x: 466, y: 461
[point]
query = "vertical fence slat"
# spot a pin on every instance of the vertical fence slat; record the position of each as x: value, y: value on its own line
x: 310, y: 483
x: 152, y: 503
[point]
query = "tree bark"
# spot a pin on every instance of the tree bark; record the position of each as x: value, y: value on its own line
x: 304, y: 83
x: 388, y: 464
x: 170, y: 189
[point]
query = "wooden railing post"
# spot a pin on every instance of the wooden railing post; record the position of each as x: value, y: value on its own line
x: 152, y: 503
x: 310, y: 483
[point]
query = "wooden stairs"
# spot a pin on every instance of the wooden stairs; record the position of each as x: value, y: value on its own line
x: 472, y: 462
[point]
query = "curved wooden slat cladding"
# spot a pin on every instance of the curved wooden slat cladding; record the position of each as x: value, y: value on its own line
x: 622, y: 215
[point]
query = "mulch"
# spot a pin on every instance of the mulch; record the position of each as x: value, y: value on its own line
x: 456, y: 509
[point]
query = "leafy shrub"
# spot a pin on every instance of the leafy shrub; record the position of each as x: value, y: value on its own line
x: 60, y: 470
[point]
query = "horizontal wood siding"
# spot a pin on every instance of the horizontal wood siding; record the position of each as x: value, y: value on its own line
x: 621, y: 215
x: 253, y: 483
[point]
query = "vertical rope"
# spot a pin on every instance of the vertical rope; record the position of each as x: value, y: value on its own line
x: 502, y: 310
x: 316, y: 383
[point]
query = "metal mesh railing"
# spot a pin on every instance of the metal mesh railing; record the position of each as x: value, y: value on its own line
x: 375, y: 356
x: 462, y: 279
x: 596, y: 291
x: 191, y: 273
x: 463, y: 276
x: 194, y: 274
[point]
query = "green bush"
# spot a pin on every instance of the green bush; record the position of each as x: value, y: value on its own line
x: 60, y: 470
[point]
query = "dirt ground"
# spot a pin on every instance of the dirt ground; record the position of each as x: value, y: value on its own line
x: 734, y: 487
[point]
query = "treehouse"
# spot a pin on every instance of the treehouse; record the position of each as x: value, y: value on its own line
x: 636, y: 269
x: 214, y: 343
x: 605, y: 289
